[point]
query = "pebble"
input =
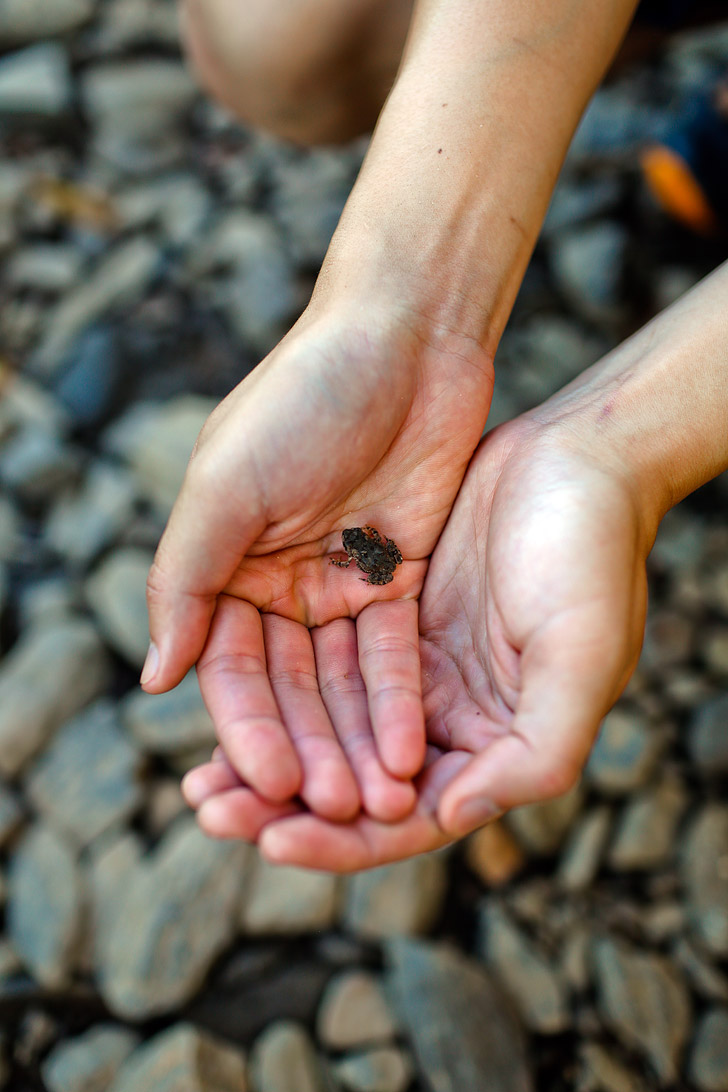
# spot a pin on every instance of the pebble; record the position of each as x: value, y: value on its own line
x: 707, y: 738
x: 574, y: 202
x: 642, y: 997
x: 714, y: 650
x: 704, y: 873
x: 126, y: 23
x: 588, y: 265
x: 44, y: 267
x: 137, y: 109
x: 494, y: 855
x: 584, y: 850
x: 178, y: 911
x: 599, y: 1071
x: 177, y: 205
x: 169, y: 723
x: 27, y: 20
x: 182, y: 1059
x: 113, y: 863
x: 88, y: 1062
x: 708, y: 1067
x: 156, y: 441
x: 384, y: 1069
x: 47, y: 601
x: 705, y: 978
x: 625, y: 754
x: 645, y: 835
x: 87, y: 779
x: 463, y: 1032
x: 402, y: 898
x: 116, y: 592
x: 531, y: 981
x: 308, y: 197
x: 354, y: 1012
x: 90, y: 376
x: 541, y: 828
x: 283, y: 1059
x: 118, y: 279
x: 10, y: 530
x: 44, y: 911
x: 85, y: 522
x: 669, y: 640
x: 35, y: 82
x: 36, y: 465
x: 288, y: 900
x: 11, y: 814
x: 47, y: 677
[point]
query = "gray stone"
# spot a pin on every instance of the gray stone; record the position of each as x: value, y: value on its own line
x: 625, y: 754
x: 354, y: 1012
x: 177, y: 912
x: 88, y: 1062
x: 646, y: 830
x: 588, y: 265
x: 541, y: 828
x: 544, y: 353
x: 464, y: 1035
x: 708, y: 1067
x: 157, y: 441
x: 669, y: 640
x: 402, y: 898
x: 46, y: 678
x: 599, y: 1071
x: 178, y: 205
x: 583, y: 852
x: 35, y: 465
x: 183, y: 1059
x: 10, y: 962
x: 575, y: 201
x: 114, y: 862
x: 308, y: 197
x: 118, y: 279
x: 535, y: 986
x: 27, y: 20
x: 642, y: 997
x: 123, y: 24
x: 10, y: 530
x: 714, y: 651
x: 116, y: 592
x: 35, y: 82
x: 44, y: 267
x: 169, y: 723
x: 383, y: 1069
x: 705, y: 978
x: 704, y: 873
x: 137, y: 109
x: 48, y: 601
x: 283, y: 1059
x: 282, y: 899
x: 91, y: 375
x: 164, y: 805
x: 11, y: 814
x: 84, y: 523
x: 44, y: 913
x: 87, y: 779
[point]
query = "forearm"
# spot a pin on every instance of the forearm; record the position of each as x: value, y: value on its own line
x: 467, y: 150
x: 657, y: 406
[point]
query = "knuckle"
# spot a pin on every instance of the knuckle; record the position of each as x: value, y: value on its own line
x: 556, y: 776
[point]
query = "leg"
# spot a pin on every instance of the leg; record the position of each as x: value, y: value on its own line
x: 311, y: 71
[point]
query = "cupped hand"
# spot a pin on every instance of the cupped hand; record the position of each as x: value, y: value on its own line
x: 356, y: 418
x: 531, y: 622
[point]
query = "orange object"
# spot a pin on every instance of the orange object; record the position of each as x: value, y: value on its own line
x: 676, y: 190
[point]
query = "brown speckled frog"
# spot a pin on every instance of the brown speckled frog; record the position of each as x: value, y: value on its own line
x: 375, y: 555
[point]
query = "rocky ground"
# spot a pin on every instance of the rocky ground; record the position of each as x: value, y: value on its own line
x: 152, y: 251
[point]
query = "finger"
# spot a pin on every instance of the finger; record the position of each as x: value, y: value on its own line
x: 389, y: 659
x: 328, y: 786
x: 208, y: 533
x: 208, y: 780
x: 342, y: 688
x: 240, y: 813
x: 567, y: 687
x: 234, y: 683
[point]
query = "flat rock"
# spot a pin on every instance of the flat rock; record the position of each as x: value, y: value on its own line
x: 382, y: 1069
x: 44, y: 267
x: 35, y: 465
x: 642, y: 997
x: 705, y: 978
x: 157, y: 441
x: 116, y: 592
x: 283, y: 1059
x: 669, y: 639
x: 494, y: 855
x: 169, y: 723
x: 35, y: 82
x: 83, y: 523
x: 183, y: 1059
x: 646, y: 831
x: 600, y: 1071
x: 88, y: 1062
x: 283, y: 899
x: 463, y: 1032
x: 584, y: 849
x: 708, y: 737
x: 118, y: 279
x: 354, y: 1012
x: 47, y: 677
x: 87, y: 779
x: 91, y: 377
x: 625, y: 754
x: 11, y: 814
x: 402, y: 898
x: 45, y: 905
x: 541, y: 828
x: 705, y: 876
x: 588, y: 264
x: 27, y: 20
x: 177, y: 912
x: 535, y: 986
x: 708, y: 1068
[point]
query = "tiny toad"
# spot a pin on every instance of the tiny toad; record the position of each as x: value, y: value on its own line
x: 375, y: 555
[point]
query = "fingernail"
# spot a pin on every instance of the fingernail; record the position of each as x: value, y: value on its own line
x: 474, y: 813
x: 151, y: 665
